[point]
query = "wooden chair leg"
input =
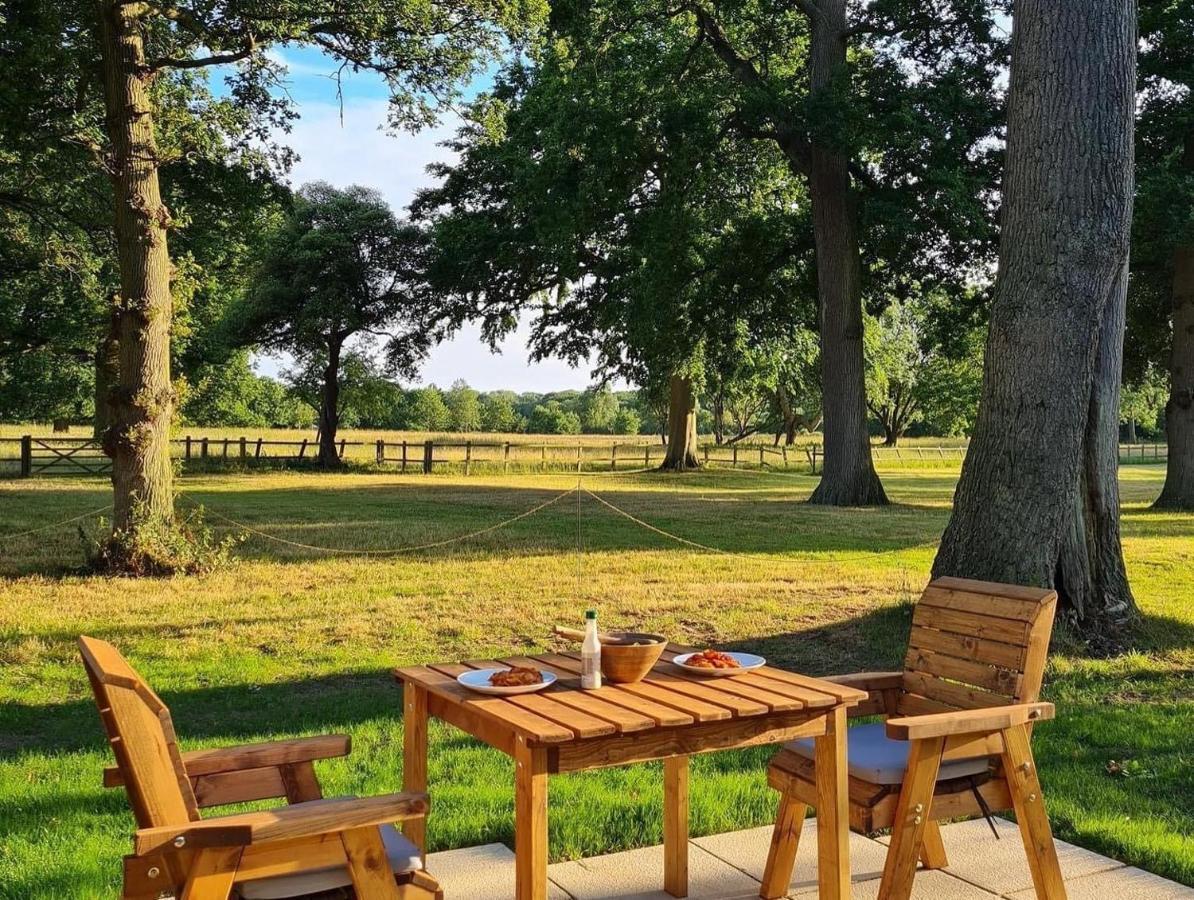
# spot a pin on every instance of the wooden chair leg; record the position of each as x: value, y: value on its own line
x: 932, y: 848
x: 785, y: 840
x: 675, y: 825
x: 911, y: 818
x: 1019, y: 768
x: 368, y: 865
x: 212, y: 874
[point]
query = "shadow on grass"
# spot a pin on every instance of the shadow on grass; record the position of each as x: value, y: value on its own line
x: 312, y: 705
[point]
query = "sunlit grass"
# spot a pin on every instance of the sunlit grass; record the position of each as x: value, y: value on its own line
x: 291, y: 641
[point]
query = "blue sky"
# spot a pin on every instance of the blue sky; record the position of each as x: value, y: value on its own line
x: 360, y: 151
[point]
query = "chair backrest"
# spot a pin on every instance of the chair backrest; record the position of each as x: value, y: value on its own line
x: 142, y: 738
x: 976, y: 644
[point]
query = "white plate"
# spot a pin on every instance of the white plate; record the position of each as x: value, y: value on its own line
x: 478, y: 680
x: 747, y: 662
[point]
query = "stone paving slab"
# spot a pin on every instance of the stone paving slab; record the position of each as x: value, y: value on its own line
x: 1000, y: 866
x: 747, y: 850
x: 730, y: 866
x: 638, y: 875
x: 480, y: 873
x: 1123, y: 883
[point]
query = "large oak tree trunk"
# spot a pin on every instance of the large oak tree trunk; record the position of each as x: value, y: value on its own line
x: 848, y: 477
x: 1038, y: 502
x: 1178, y: 492
x: 681, y: 426
x: 107, y: 373
x: 329, y: 409
x: 138, y: 441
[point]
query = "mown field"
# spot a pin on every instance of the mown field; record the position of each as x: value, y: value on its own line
x: 291, y: 641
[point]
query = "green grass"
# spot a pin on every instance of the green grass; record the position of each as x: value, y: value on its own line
x: 290, y: 642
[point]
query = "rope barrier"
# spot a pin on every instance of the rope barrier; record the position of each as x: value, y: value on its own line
x: 393, y: 551
x: 80, y: 518
x: 718, y: 550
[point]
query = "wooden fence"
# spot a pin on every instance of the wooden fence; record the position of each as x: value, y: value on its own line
x: 84, y: 456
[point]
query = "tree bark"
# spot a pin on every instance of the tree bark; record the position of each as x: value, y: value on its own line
x: 681, y: 426
x: 329, y: 409
x: 107, y: 373
x: 848, y: 477
x: 1178, y: 492
x: 1131, y: 430
x: 1038, y: 501
x: 138, y: 441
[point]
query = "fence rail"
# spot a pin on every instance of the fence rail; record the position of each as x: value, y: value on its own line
x: 84, y: 456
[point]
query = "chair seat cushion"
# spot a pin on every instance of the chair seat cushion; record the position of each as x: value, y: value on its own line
x: 404, y: 857
x: 875, y: 758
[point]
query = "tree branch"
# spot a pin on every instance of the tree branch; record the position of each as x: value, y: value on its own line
x: 216, y: 59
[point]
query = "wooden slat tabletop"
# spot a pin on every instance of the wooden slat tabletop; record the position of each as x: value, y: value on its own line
x: 668, y: 697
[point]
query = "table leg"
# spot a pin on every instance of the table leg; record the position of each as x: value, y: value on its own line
x: 414, y: 757
x: 530, y: 822
x: 833, y: 814
x: 675, y: 825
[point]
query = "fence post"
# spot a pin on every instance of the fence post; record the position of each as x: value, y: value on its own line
x: 578, y: 463
x: 468, y: 456
x: 257, y: 450
x: 647, y: 456
x: 784, y: 451
x: 428, y: 456
x: 760, y: 456
x: 26, y: 455
x: 543, y: 457
x: 188, y: 446
x: 734, y: 464
x: 225, y: 448
x: 613, y: 457
x: 506, y: 457
x: 303, y: 449
x: 342, y: 445
x: 203, y: 449
x: 404, y: 457
x: 243, y: 447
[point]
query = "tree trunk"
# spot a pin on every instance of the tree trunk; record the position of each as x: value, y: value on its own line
x: 139, y: 440
x: 1178, y: 492
x: 1131, y: 430
x: 1038, y: 502
x: 107, y: 373
x: 1091, y: 574
x: 891, y: 437
x: 329, y: 409
x: 681, y: 426
x: 719, y: 418
x: 848, y: 477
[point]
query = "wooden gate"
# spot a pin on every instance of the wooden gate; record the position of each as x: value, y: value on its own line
x: 63, y: 456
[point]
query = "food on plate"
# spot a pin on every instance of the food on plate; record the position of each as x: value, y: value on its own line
x: 516, y: 676
x: 712, y: 659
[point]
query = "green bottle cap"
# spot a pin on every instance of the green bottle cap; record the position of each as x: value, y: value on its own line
x: 591, y: 614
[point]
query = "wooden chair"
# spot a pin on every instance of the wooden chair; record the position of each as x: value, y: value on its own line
x: 312, y: 845
x: 955, y: 742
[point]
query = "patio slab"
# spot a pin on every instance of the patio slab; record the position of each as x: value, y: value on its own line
x: 1000, y: 866
x: 729, y: 867
x: 638, y: 875
x: 747, y: 850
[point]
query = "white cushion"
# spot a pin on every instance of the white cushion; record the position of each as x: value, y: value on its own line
x: 873, y: 757
x: 404, y: 857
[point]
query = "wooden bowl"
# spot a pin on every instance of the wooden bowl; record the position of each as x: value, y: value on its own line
x: 630, y: 655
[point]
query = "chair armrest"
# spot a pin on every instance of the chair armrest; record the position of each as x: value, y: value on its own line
x: 869, y: 681
x: 296, y: 821
x: 967, y: 721
x: 253, y: 756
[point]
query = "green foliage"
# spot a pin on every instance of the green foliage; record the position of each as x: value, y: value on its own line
x: 183, y: 546
x: 464, y: 407
x: 598, y: 411
x: 627, y: 421
x: 425, y: 410
x: 499, y: 414
x: 1144, y: 401
x: 552, y: 418
x: 232, y: 394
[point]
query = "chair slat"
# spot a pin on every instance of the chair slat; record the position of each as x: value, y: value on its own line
x: 981, y: 604
x: 961, y: 646
x: 1004, y: 682
x: 991, y: 628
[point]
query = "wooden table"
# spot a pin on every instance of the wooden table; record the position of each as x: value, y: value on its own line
x: 668, y: 716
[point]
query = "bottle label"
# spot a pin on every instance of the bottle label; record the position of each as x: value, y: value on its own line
x: 590, y: 676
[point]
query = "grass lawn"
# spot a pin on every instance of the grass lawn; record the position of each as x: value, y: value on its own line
x: 289, y: 642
